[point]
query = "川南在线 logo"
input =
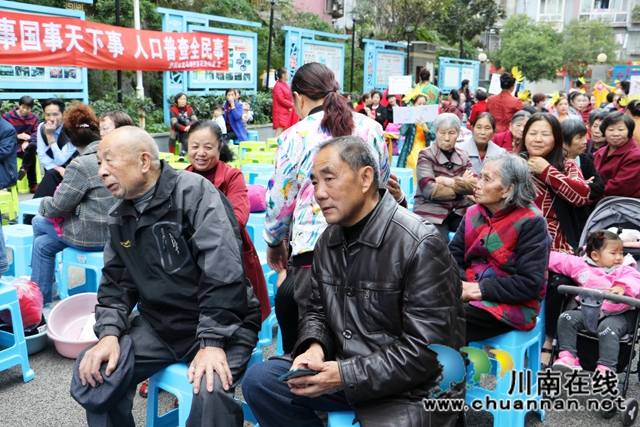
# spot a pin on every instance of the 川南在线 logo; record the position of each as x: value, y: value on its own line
x: 479, y: 364
x: 451, y: 380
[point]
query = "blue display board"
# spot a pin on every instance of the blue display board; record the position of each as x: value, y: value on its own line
x: 43, y: 82
x: 243, y: 57
x: 452, y: 71
x: 303, y: 47
x: 380, y: 63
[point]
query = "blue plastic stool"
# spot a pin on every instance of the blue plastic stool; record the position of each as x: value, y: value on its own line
x: 279, y: 348
x: 15, y: 352
x: 342, y: 419
x: 28, y: 207
x: 256, y: 220
x: 265, y: 336
x: 173, y: 379
x: 271, y: 278
x: 19, y: 238
x: 263, y: 181
x: 252, y: 135
x: 92, y: 262
x: 519, y: 345
x: 405, y: 179
x: 252, y: 171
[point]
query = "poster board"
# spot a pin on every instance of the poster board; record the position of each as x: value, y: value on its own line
x: 426, y: 113
x: 388, y: 64
x: 242, y: 69
x: 494, y: 86
x: 399, y: 84
x: 329, y: 54
x: 634, y: 83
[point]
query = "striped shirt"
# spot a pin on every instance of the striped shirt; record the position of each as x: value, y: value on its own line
x: 571, y: 187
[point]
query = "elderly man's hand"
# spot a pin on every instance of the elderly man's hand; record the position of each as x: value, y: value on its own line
x: 207, y: 361
x: 107, y: 350
x: 471, y: 291
x: 326, y: 381
x: 537, y: 164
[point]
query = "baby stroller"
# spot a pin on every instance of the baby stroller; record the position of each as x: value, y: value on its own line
x: 610, y: 212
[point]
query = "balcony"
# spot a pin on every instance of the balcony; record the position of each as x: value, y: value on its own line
x: 611, y: 17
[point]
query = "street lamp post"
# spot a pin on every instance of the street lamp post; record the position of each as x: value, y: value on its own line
x: 602, y: 58
x: 409, y: 30
x: 273, y: 3
x: 119, y: 72
x: 354, y: 19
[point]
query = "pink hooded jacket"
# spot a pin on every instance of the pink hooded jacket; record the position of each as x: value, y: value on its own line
x: 592, y: 277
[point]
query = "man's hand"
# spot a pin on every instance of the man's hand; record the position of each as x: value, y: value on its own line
x: 60, y: 170
x: 50, y: 127
x: 471, y: 291
x: 326, y: 381
x: 25, y: 145
x: 207, y: 361
x: 24, y: 136
x: 107, y: 350
x: 277, y: 258
x: 394, y: 188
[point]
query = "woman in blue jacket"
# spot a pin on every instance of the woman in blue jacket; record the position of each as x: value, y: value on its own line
x: 233, y: 117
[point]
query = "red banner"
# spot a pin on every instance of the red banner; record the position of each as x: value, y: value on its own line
x: 27, y: 39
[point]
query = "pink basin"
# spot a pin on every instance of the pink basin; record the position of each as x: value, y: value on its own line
x: 66, y: 322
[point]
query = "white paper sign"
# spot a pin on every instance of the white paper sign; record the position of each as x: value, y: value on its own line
x: 427, y: 113
x: 399, y: 84
x: 634, y: 85
x: 494, y: 87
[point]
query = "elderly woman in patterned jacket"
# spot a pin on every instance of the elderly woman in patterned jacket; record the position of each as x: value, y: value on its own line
x: 445, y: 178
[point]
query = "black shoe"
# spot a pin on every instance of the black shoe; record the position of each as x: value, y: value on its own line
x: 21, y: 174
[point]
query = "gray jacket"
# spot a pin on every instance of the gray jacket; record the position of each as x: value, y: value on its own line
x: 83, y: 200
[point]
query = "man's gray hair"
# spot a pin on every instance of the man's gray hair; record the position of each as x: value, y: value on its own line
x: 520, y: 115
x: 356, y: 153
x: 446, y: 120
x: 514, y: 170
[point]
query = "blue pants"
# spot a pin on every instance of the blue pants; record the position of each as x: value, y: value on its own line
x: 46, y: 244
x: 273, y: 403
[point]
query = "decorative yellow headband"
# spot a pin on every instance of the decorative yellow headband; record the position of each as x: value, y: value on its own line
x: 625, y: 100
x: 581, y: 80
x: 525, y: 95
x: 517, y: 74
x: 555, y: 97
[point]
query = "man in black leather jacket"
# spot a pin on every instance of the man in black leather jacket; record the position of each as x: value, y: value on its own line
x: 384, y: 288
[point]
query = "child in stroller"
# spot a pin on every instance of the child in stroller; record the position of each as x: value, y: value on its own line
x: 603, y: 267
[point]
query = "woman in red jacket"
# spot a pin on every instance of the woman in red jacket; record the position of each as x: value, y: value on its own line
x: 208, y: 156
x: 282, y: 102
x: 182, y: 116
x: 619, y: 160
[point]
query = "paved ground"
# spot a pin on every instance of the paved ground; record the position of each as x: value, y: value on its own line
x: 45, y: 401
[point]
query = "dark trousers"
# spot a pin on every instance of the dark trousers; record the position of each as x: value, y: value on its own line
x: 291, y: 303
x: 482, y: 325
x: 28, y: 157
x: 217, y: 408
x: 610, y: 330
x: 450, y: 223
x: 50, y: 182
x: 273, y: 403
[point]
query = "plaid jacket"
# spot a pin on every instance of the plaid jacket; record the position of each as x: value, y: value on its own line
x: 28, y: 125
x: 83, y: 200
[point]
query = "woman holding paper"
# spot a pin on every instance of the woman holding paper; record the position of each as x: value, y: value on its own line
x: 445, y: 177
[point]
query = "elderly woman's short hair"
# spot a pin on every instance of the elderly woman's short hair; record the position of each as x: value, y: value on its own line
x: 520, y: 115
x: 597, y: 114
x: 616, y: 117
x: 514, y: 170
x: 355, y: 152
x: 447, y: 120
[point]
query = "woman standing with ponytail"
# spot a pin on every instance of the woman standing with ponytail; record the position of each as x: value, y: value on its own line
x: 291, y: 209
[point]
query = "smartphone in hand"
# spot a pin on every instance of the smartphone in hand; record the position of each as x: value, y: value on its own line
x: 295, y: 373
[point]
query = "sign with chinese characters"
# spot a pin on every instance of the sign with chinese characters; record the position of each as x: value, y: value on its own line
x: 54, y: 42
x: 329, y: 54
x: 388, y: 65
x: 241, y: 66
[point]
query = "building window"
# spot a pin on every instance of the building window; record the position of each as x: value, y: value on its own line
x: 551, y: 10
x: 612, y: 11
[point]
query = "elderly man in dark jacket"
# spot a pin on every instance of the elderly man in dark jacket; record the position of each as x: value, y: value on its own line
x: 175, y: 250
x: 384, y: 288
